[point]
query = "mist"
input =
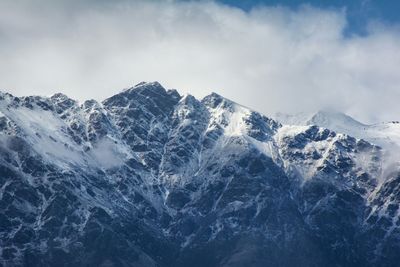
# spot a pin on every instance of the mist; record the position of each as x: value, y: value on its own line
x: 269, y: 58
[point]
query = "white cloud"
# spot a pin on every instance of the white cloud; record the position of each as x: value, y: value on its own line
x: 271, y: 59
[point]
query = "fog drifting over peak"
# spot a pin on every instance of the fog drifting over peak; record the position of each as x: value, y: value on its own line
x: 270, y: 58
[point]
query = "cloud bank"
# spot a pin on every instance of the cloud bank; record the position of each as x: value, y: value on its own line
x: 270, y: 58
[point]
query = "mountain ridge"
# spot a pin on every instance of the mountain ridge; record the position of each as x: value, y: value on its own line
x: 385, y: 134
x: 149, y: 177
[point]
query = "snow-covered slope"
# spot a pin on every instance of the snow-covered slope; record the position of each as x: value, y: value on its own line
x: 152, y: 178
x: 386, y: 134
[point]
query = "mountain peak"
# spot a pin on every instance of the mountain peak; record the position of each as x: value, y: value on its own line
x: 326, y: 117
x: 5, y: 94
x: 153, y: 89
x: 62, y: 102
x: 145, y: 89
x: 213, y: 96
x: 154, y: 86
x: 60, y: 97
x: 213, y: 100
x: 144, y: 92
x: 323, y: 118
x: 147, y: 84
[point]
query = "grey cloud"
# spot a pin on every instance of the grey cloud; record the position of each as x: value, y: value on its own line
x: 271, y: 58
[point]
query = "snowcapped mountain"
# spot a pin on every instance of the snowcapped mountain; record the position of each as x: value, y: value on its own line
x: 385, y: 134
x: 152, y: 178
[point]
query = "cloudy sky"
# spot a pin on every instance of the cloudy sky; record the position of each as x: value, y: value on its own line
x: 288, y: 56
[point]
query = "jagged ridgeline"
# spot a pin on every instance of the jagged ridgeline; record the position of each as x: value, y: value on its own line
x: 152, y: 178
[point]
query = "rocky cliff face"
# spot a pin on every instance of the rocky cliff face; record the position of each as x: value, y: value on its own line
x: 152, y: 178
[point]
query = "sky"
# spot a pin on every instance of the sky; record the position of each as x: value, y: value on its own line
x: 273, y: 56
x: 358, y: 12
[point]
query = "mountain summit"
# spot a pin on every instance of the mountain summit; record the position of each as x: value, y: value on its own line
x: 152, y: 178
x: 386, y: 135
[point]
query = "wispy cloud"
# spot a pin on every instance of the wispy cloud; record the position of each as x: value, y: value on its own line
x: 270, y: 58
